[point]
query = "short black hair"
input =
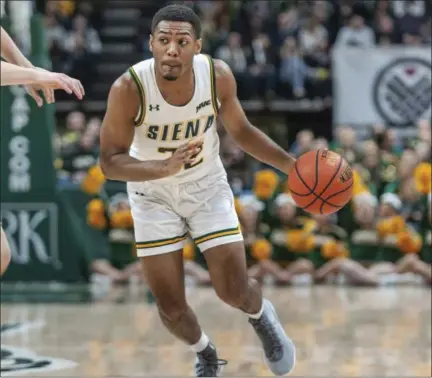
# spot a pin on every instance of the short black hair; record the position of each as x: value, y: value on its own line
x: 177, y: 12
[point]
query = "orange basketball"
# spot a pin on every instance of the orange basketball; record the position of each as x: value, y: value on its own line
x: 321, y: 182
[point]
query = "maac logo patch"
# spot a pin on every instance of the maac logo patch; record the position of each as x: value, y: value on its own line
x: 19, y: 361
x: 402, y: 91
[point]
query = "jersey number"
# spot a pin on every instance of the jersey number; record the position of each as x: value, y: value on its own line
x: 164, y: 150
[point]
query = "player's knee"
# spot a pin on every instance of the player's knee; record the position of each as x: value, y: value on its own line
x: 172, y: 311
x: 233, y: 292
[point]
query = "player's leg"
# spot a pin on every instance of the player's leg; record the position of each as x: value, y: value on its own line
x: 164, y: 275
x: 5, y: 253
x: 215, y: 229
x: 160, y: 236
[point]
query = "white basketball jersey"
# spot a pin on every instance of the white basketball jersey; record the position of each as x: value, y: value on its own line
x: 161, y: 127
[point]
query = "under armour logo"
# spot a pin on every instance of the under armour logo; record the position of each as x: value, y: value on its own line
x: 154, y: 107
x: 203, y: 105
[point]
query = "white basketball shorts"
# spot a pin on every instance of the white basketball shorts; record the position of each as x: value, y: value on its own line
x: 164, y: 214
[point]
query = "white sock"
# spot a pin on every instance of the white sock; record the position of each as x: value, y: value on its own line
x: 259, y: 313
x: 202, y: 343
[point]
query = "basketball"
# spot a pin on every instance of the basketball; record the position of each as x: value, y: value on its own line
x: 321, y: 182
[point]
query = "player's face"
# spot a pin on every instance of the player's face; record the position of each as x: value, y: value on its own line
x: 174, y: 45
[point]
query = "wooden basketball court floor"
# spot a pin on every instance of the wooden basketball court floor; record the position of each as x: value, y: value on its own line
x: 339, y: 332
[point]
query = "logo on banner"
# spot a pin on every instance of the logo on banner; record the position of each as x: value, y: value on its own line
x: 402, y: 91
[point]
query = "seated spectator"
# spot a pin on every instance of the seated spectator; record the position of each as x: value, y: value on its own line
x: 384, y: 27
x: 345, y: 143
x: 55, y: 36
x: 287, y: 25
x: 356, y: 33
x: 234, y: 55
x: 79, y: 156
x: 313, y: 42
x: 82, y: 44
x: 295, y: 73
x: 262, y: 66
x: 303, y: 143
x: 293, y: 69
x: 409, y: 15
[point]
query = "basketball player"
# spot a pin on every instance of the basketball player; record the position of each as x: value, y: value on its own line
x: 17, y: 70
x: 159, y: 135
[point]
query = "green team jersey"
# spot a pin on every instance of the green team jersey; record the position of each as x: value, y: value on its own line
x: 278, y: 237
x: 364, y: 245
x: 346, y: 218
x: 322, y: 236
x: 122, y: 247
x: 389, y: 250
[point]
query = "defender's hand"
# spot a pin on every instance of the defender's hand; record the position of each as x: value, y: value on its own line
x: 185, y: 154
x: 47, y: 82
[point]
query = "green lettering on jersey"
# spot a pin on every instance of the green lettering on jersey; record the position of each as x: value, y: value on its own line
x: 152, y: 132
x: 192, y: 129
x: 209, y: 123
x: 177, y: 130
x: 165, y: 132
x: 180, y: 131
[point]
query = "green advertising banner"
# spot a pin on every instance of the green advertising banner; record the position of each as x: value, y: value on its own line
x: 29, y: 209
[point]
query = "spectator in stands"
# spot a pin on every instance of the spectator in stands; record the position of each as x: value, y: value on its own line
x: 262, y: 66
x: 236, y: 164
x: 303, y: 142
x: 356, y: 33
x: 234, y: 54
x: 55, y: 36
x: 287, y: 25
x: 425, y: 32
x: 83, y: 44
x: 384, y: 27
x: 345, y: 143
x: 75, y: 126
x: 80, y: 152
x: 293, y: 70
x: 313, y: 42
x: 409, y: 15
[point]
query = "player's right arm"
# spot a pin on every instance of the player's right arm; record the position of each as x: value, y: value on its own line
x: 116, y: 137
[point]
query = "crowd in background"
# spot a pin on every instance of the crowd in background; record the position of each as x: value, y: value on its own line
x: 72, y: 32
x: 283, y: 49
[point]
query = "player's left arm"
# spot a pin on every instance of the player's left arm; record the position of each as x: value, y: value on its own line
x: 248, y: 137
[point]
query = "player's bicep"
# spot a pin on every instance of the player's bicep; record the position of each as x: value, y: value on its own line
x: 118, y: 127
x: 231, y: 111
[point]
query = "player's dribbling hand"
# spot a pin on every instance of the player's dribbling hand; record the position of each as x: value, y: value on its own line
x: 185, y: 154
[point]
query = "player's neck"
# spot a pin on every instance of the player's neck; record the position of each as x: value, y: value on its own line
x: 177, y: 92
x: 185, y: 82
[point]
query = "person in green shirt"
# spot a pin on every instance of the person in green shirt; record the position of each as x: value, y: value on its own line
x: 291, y: 240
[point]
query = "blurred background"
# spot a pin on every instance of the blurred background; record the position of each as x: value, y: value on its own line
x: 352, y: 76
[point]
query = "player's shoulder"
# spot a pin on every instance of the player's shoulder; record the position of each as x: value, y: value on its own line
x: 142, y: 65
x: 222, y: 69
x: 225, y: 81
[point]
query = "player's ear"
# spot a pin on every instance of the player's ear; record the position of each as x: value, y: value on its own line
x: 151, y: 43
x: 198, y: 46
